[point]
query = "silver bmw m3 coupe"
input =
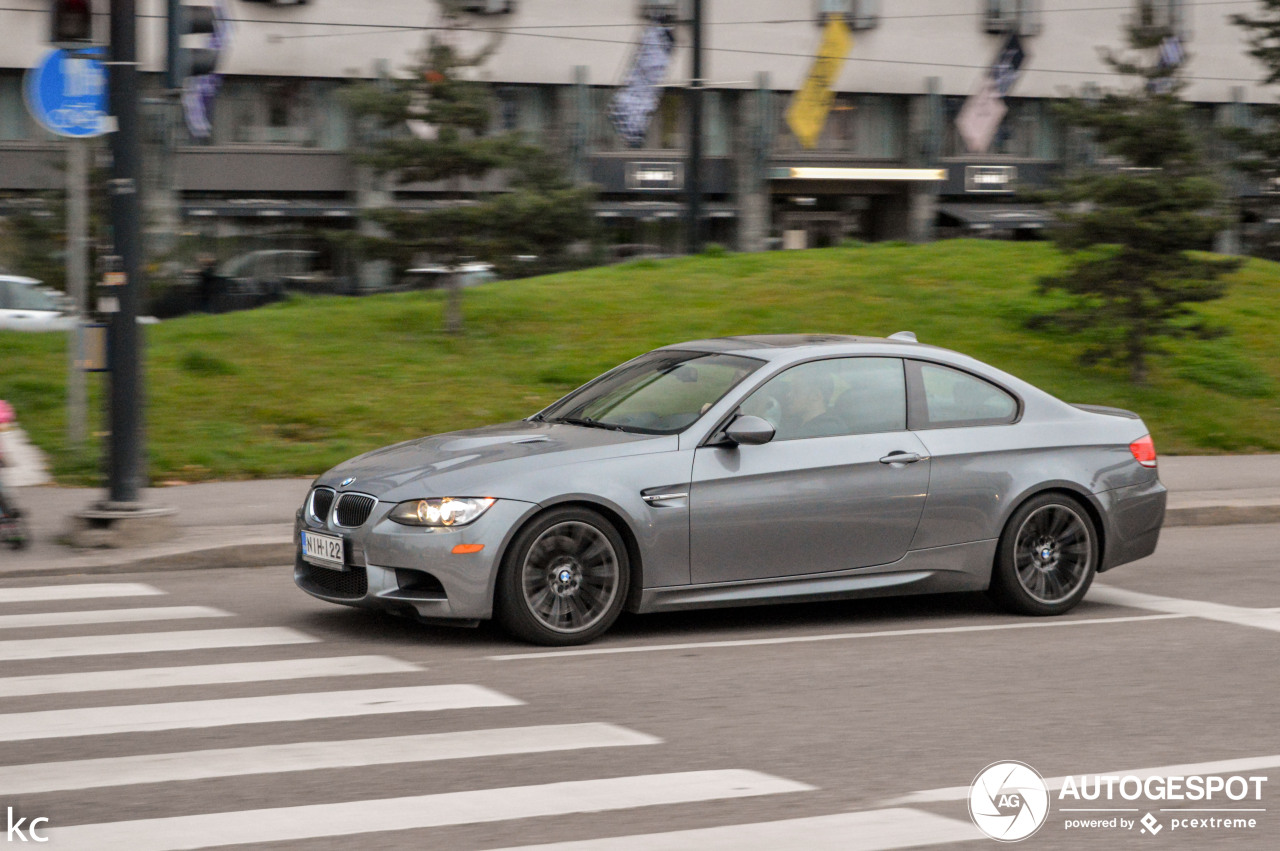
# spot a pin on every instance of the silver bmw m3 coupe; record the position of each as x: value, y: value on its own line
x: 740, y: 471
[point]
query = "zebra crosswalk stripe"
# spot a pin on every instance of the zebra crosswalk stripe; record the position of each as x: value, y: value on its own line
x: 196, y: 675
x: 154, y: 613
x: 352, y: 818
x: 149, y: 717
x: 85, y: 591
x: 148, y: 642
x: 312, y: 756
x: 871, y: 830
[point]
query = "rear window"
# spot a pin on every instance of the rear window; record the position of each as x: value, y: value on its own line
x: 952, y: 397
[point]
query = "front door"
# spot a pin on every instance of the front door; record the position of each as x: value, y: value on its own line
x: 826, y: 494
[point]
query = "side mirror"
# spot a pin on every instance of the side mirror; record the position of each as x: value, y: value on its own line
x: 750, y: 431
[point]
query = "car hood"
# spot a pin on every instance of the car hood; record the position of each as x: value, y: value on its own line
x: 477, y: 462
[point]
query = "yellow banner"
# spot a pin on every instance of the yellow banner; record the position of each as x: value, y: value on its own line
x: 809, y: 106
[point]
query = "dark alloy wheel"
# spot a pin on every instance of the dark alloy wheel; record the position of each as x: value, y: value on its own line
x: 564, y: 579
x: 1047, y: 556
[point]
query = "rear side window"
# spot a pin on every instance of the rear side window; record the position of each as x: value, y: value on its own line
x: 946, y: 397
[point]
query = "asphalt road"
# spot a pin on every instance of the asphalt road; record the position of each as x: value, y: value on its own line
x: 837, y: 723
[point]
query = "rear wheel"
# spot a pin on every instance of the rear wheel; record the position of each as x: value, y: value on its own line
x: 1047, y: 556
x: 564, y: 579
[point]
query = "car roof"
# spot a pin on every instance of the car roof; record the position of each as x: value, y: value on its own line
x: 791, y: 346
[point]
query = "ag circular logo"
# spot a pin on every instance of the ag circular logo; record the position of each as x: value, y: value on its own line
x: 1008, y: 801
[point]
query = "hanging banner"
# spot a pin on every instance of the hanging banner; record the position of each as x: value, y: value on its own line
x: 198, y: 92
x: 980, y: 117
x: 637, y: 100
x: 809, y: 106
x: 1168, y: 59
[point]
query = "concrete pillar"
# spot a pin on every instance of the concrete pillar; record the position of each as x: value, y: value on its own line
x: 923, y: 149
x: 371, y: 194
x: 162, y: 182
x: 922, y: 200
x: 752, y: 144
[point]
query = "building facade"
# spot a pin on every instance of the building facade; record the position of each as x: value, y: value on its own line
x: 888, y: 162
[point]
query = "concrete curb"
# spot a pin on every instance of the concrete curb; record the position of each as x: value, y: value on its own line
x: 256, y: 555
x: 234, y: 555
x: 1222, y: 515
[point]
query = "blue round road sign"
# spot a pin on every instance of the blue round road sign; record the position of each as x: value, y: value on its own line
x: 68, y: 95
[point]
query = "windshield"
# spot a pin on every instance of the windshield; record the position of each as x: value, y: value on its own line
x: 662, y: 392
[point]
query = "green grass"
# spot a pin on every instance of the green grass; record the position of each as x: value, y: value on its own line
x: 293, y: 388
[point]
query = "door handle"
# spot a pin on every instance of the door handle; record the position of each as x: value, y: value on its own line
x: 903, y: 458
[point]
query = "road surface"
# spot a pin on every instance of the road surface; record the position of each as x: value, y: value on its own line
x: 224, y: 708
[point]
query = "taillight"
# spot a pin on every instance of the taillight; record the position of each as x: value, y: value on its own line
x: 1144, y: 451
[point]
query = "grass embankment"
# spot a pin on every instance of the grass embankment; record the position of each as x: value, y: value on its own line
x: 296, y: 387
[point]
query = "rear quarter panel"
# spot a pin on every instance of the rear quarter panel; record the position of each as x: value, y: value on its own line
x: 980, y: 475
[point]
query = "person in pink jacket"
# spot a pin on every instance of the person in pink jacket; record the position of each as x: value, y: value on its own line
x: 12, y: 530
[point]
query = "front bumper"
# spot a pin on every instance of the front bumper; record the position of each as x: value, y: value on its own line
x: 413, y: 570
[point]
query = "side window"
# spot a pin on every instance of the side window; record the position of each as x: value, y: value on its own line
x: 955, y: 398
x: 833, y: 397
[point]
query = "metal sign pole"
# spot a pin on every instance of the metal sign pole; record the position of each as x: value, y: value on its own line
x: 125, y: 469
x: 693, y: 173
x: 77, y: 284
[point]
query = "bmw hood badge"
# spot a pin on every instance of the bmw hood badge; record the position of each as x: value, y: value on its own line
x: 347, y: 481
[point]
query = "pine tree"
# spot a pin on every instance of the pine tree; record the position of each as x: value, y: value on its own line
x: 434, y: 125
x: 1260, y: 145
x: 1133, y: 225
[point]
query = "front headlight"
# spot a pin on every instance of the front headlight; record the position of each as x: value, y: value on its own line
x: 441, y: 511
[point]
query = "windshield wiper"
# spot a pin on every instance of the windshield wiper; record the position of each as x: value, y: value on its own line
x: 587, y: 422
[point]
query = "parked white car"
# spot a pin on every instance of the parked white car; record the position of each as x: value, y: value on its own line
x: 27, y: 305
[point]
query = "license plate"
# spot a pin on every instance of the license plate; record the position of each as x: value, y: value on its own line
x: 323, y: 550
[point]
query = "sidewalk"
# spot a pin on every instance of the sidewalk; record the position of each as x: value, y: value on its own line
x: 250, y: 524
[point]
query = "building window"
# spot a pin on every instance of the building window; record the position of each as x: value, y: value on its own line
x: 1161, y: 16
x: 280, y: 111
x: 857, y: 14
x: 283, y: 98
x: 717, y: 124
x: 863, y: 126
x: 525, y: 109
x: 1011, y: 16
x: 1030, y: 130
x: 666, y: 130
x: 15, y: 126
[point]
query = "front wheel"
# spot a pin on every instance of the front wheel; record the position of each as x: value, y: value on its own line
x: 564, y: 579
x: 1047, y: 557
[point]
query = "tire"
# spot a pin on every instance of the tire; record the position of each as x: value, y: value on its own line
x: 564, y: 579
x: 1047, y: 557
